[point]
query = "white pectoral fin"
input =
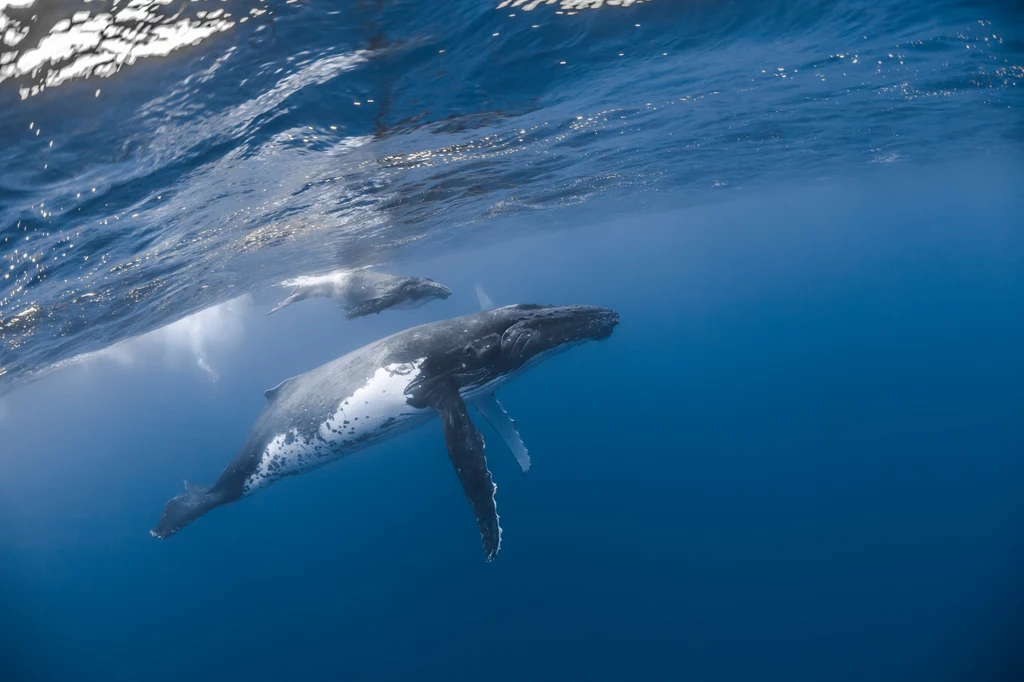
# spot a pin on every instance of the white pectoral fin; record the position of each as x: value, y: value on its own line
x: 498, y: 418
x: 296, y: 295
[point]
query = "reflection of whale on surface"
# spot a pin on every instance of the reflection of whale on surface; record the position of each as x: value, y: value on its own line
x: 362, y: 292
x: 393, y: 384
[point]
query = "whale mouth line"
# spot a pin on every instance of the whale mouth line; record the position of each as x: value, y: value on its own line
x: 561, y: 330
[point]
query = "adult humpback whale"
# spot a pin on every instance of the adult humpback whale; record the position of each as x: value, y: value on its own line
x: 394, y: 384
x: 361, y: 292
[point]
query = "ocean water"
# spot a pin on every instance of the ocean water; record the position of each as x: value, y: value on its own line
x: 799, y: 456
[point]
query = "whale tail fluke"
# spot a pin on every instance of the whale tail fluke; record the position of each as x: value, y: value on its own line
x: 184, y: 509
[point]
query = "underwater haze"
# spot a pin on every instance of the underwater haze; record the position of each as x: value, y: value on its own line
x: 798, y: 457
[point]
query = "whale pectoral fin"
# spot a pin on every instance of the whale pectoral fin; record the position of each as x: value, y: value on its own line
x: 295, y: 296
x: 466, y: 450
x: 374, y: 305
x: 498, y: 418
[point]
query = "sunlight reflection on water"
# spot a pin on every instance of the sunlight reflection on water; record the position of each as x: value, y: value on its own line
x: 98, y: 43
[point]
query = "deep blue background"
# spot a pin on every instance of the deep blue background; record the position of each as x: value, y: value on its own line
x: 799, y: 457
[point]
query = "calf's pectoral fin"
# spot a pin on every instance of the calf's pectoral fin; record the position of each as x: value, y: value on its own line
x: 500, y: 421
x: 374, y: 305
x: 466, y: 450
x: 296, y: 295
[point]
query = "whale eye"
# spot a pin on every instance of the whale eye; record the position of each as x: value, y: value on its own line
x: 480, y: 348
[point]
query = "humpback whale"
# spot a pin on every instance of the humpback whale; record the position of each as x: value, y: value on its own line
x: 399, y: 382
x: 362, y: 292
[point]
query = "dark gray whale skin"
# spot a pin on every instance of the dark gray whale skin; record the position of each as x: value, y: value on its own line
x: 406, y: 378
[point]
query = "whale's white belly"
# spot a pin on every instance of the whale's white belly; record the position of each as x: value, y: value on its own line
x: 373, y: 412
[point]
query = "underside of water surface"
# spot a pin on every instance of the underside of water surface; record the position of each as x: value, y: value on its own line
x: 161, y: 157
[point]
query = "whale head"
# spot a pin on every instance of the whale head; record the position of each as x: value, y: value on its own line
x: 420, y: 290
x: 508, y: 340
x: 532, y: 331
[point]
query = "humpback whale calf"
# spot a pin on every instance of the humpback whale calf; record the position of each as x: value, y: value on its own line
x: 393, y: 384
x: 362, y: 292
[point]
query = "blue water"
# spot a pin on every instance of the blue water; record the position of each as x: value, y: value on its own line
x: 799, y: 457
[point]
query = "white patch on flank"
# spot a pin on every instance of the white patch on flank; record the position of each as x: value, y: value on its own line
x: 375, y: 409
x: 332, y: 279
x: 337, y: 278
x: 333, y: 285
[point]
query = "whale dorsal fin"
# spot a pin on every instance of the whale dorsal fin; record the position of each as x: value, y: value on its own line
x: 497, y: 417
x: 272, y: 392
